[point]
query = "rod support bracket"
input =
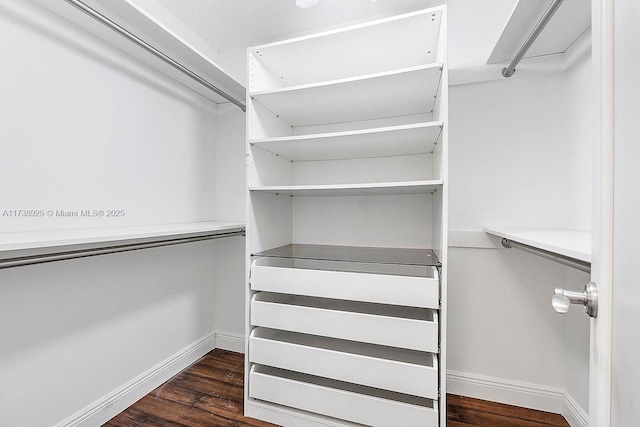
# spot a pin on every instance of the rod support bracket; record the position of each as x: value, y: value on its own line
x: 506, y: 73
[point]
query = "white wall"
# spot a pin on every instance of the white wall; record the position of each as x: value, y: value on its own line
x: 85, y: 126
x: 75, y: 331
x: 519, y: 157
x: 230, y: 203
x: 506, y: 168
x: 580, y: 142
x: 230, y: 166
x: 98, y: 130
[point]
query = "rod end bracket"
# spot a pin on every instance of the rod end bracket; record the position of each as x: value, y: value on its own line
x: 506, y: 73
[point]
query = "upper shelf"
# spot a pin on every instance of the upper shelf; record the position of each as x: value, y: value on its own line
x: 388, y: 94
x: 415, y: 138
x: 568, y: 243
x: 369, y: 189
x: 32, y: 243
x: 393, y: 43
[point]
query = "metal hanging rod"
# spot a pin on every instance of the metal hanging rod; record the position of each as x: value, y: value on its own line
x: 84, y: 253
x: 553, y: 8
x: 157, y: 53
x: 562, y: 259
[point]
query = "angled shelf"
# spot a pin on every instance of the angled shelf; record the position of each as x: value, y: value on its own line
x: 388, y: 94
x: 415, y: 138
x: 568, y: 243
x: 36, y: 243
x: 368, y: 189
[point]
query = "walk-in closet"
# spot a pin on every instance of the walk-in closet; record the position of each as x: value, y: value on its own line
x: 306, y: 213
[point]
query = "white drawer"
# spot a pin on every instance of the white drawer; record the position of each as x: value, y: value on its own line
x: 341, y: 400
x: 416, y: 286
x: 404, y: 327
x: 399, y: 370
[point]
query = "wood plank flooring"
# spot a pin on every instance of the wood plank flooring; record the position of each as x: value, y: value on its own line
x: 210, y: 394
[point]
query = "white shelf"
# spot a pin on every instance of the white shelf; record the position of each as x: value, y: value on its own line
x: 369, y: 189
x: 392, y: 43
x: 394, y: 93
x: 570, y: 243
x: 55, y: 241
x: 416, y: 138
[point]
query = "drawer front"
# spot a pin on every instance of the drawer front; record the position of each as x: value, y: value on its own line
x: 421, y: 335
x: 323, y: 358
x: 339, y: 403
x: 377, y: 288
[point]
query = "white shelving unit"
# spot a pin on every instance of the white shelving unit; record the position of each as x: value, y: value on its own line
x: 347, y: 218
x: 570, y: 243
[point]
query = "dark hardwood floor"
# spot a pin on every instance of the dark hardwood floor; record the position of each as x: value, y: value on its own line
x: 210, y: 392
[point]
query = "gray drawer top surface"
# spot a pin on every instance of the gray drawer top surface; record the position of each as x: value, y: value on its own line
x: 422, y: 257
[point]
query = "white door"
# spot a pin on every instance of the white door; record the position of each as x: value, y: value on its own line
x: 615, y: 337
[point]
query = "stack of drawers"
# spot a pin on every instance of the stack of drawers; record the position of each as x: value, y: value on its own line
x: 354, y: 341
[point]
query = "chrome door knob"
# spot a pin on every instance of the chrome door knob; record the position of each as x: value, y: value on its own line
x: 562, y: 299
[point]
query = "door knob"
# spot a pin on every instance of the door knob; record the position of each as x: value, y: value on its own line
x: 563, y: 299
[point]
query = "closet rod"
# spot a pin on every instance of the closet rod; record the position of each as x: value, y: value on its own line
x: 84, y: 253
x: 562, y: 259
x: 553, y: 8
x: 146, y: 46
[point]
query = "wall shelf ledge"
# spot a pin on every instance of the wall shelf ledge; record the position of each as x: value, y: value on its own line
x: 35, y: 247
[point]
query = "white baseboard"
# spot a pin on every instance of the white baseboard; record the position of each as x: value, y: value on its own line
x: 516, y: 393
x: 229, y: 341
x: 575, y: 415
x: 526, y: 395
x: 120, y: 399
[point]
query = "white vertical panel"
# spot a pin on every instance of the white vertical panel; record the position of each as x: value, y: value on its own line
x: 600, y: 371
x: 626, y: 230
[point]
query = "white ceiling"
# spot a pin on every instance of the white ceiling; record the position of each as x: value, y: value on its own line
x: 229, y: 23
x: 474, y: 25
